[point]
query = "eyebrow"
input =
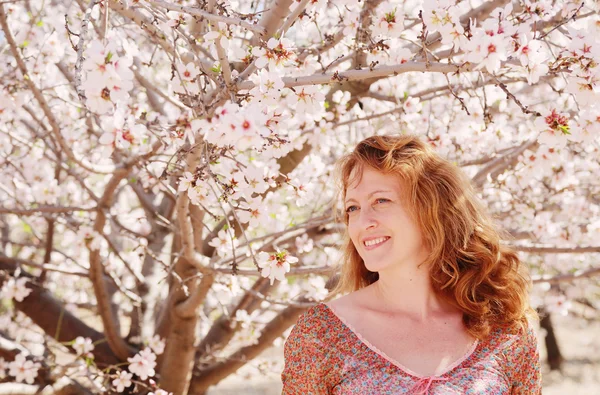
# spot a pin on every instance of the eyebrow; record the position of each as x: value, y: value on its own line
x: 370, y: 194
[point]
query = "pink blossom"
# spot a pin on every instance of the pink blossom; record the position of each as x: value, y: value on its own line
x: 220, y: 33
x: 185, y: 79
x: 277, y: 54
x: 389, y: 20
x: 24, y: 370
x: 253, y: 211
x: 306, y: 99
x: 275, y: 265
x: 122, y: 381
x: 83, y: 346
x: 143, y: 363
x: 554, y: 127
x: 185, y: 182
x: 157, y: 344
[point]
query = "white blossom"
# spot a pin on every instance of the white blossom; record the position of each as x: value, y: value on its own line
x: 122, y: 381
x: 83, y: 345
x: 143, y: 363
x: 23, y: 370
x: 16, y: 289
x: 3, y: 368
x: 185, y: 182
x: 275, y: 265
x: 224, y: 243
x: 157, y: 344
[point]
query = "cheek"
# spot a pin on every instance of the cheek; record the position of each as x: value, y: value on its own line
x: 352, y: 231
x: 413, y: 233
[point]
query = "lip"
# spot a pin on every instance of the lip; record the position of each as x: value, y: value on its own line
x: 369, y: 248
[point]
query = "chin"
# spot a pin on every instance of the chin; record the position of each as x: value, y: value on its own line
x: 375, y: 268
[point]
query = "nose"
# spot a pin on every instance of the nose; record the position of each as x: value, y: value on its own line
x: 367, y: 219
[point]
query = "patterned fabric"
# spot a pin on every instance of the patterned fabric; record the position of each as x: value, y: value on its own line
x: 324, y: 355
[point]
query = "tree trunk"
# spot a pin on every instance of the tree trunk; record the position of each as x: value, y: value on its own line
x: 555, y: 357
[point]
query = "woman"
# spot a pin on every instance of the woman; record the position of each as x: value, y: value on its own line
x: 433, y: 303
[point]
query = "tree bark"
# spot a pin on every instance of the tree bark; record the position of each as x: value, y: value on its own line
x: 217, y: 372
x: 223, y: 329
x: 272, y: 20
x: 178, y: 359
x: 50, y: 315
x: 555, y: 357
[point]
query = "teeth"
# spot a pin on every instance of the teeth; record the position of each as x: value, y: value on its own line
x: 375, y: 241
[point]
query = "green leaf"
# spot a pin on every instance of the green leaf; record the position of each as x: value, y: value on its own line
x: 26, y: 228
x: 565, y: 129
x: 291, y: 280
x: 109, y: 56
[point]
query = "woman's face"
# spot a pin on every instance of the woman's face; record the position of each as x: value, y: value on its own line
x: 379, y: 223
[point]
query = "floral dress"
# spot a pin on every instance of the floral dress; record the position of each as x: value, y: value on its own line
x: 325, y: 355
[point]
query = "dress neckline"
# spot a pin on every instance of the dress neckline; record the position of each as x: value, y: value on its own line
x: 403, y: 368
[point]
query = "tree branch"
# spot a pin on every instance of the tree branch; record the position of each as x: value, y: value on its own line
x: 272, y: 19
x: 224, y: 62
x: 377, y: 72
x: 181, y: 316
x: 47, y: 312
x: 211, y: 17
x: 108, y: 315
x: 567, y: 277
x: 499, y: 165
x: 480, y: 14
x: 224, y: 328
x: 154, y: 32
x: 37, y: 93
x: 326, y: 46
x: 289, y: 21
x: 217, y: 372
x: 556, y: 250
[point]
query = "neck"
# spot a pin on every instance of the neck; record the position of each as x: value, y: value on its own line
x: 407, y: 289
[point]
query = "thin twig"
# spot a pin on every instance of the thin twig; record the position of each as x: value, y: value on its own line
x: 209, y: 16
x: 44, y: 209
x: 564, y: 21
x: 54, y: 125
x: 509, y: 95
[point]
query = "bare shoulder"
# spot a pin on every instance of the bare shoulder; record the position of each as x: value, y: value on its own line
x: 352, y: 304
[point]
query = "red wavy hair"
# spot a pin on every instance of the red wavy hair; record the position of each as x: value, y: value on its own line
x: 469, y: 267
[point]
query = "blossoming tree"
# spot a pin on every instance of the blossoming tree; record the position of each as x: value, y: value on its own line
x: 167, y: 200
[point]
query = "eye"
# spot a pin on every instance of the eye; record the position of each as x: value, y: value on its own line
x: 381, y: 200
x: 351, y: 209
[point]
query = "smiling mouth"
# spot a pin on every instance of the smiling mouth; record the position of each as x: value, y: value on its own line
x: 370, y: 244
